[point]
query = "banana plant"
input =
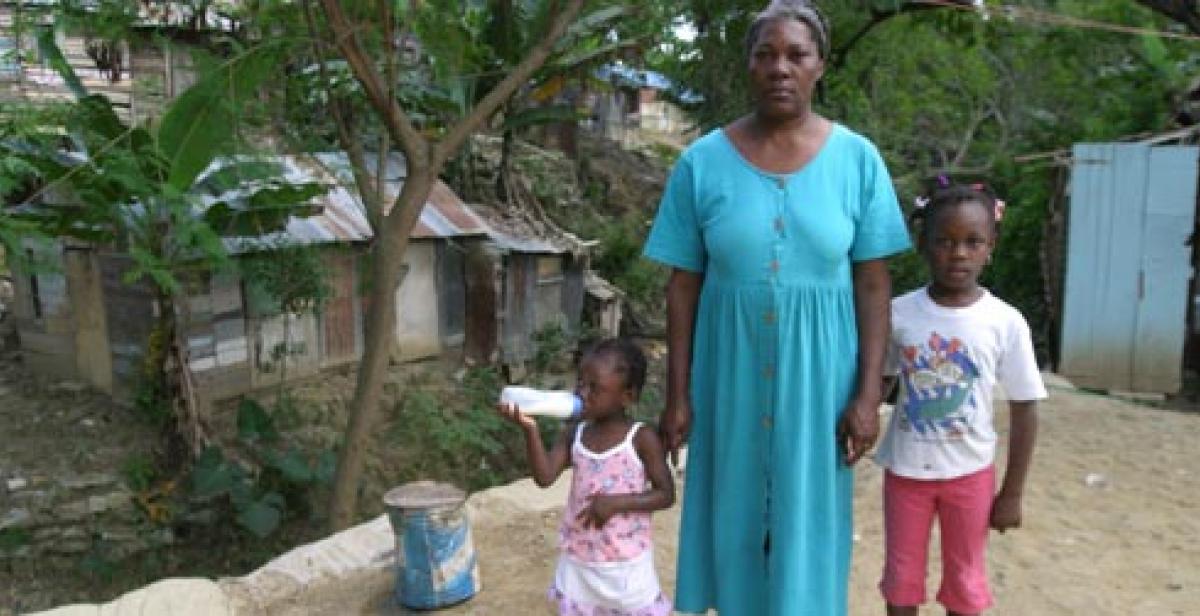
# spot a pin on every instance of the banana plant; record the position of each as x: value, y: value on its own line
x: 164, y: 193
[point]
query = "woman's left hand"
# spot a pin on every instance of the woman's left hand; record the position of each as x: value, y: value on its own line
x: 597, y: 512
x: 858, y: 428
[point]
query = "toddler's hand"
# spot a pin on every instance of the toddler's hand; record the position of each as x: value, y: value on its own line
x: 1006, y: 512
x: 513, y: 413
x: 598, y: 511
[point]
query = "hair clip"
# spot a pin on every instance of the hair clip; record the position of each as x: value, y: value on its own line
x: 943, y: 181
x: 920, y: 202
x: 999, y: 210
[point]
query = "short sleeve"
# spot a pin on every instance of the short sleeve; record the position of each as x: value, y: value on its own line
x: 675, y: 237
x: 1017, y: 371
x: 880, y: 229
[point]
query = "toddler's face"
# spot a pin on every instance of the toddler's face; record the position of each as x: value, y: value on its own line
x: 601, y: 387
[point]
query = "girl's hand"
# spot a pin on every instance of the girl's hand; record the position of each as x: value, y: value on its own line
x: 513, y: 413
x: 674, y: 426
x: 597, y: 512
x: 1006, y: 511
x: 858, y: 429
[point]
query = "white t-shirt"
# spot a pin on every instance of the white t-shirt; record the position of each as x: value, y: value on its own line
x: 947, y: 361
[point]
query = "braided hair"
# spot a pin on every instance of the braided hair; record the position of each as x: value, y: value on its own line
x: 928, y: 209
x: 628, y: 359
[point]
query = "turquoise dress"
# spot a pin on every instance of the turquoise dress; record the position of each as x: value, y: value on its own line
x: 774, y: 361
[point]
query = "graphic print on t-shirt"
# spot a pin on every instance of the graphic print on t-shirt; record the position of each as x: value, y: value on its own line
x: 937, y: 381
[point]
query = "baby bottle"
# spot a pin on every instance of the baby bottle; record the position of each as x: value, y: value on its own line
x: 557, y: 404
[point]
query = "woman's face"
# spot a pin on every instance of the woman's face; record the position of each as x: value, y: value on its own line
x: 785, y: 64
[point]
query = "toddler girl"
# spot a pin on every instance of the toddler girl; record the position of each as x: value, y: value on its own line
x: 606, y: 564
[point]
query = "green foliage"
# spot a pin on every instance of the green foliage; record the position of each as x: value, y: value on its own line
x: 293, y: 277
x: 13, y: 539
x: 199, y: 124
x: 139, y: 472
x: 457, y: 437
x: 619, y: 260
x: 947, y: 92
x: 262, y: 496
x: 99, y: 562
x: 551, y: 344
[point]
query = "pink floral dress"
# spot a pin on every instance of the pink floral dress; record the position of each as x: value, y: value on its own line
x: 607, y: 571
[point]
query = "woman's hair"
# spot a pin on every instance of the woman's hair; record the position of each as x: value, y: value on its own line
x: 628, y: 359
x: 929, y: 209
x: 802, y: 11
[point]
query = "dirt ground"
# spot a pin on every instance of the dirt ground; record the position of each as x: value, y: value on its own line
x: 1112, y: 524
x: 1111, y: 520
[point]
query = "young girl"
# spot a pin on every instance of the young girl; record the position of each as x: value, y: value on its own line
x: 606, y: 564
x: 951, y: 342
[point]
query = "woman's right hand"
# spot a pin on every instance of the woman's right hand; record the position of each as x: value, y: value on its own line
x: 674, y: 426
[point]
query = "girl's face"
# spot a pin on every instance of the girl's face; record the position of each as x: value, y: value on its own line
x: 602, y: 388
x: 958, y: 246
x: 785, y: 64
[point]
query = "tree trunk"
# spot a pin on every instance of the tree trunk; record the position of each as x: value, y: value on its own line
x: 380, y: 334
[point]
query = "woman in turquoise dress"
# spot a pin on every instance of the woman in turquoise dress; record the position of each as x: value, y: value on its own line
x: 775, y: 227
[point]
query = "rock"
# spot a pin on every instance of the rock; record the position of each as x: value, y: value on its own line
x: 15, y: 518
x: 69, y: 387
x: 108, y: 502
x: 1095, y: 480
x: 89, y: 480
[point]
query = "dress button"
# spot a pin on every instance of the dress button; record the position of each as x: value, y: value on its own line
x: 775, y: 265
x: 769, y: 372
x: 767, y: 422
x: 779, y: 224
x: 782, y: 182
x: 769, y: 317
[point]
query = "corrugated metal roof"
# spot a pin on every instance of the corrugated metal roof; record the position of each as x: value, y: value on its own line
x: 343, y: 218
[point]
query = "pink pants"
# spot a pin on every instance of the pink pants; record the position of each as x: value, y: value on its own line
x: 963, y: 506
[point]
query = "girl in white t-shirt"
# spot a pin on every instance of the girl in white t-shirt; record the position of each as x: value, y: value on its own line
x: 951, y: 342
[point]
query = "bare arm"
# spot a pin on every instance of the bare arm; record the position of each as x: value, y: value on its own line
x: 683, y: 295
x: 661, y: 494
x: 545, y: 466
x: 1006, y: 509
x: 859, y: 427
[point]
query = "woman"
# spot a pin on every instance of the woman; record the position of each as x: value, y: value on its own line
x: 776, y: 227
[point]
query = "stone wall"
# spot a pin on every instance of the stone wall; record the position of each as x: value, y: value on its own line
x: 68, y: 517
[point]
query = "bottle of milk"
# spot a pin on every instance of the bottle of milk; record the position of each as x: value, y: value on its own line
x: 557, y: 404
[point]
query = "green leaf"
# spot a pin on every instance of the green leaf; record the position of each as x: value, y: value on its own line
x: 326, y: 467
x: 212, y: 475
x: 254, y: 423
x: 94, y: 122
x: 261, y: 517
x: 201, y: 122
x: 233, y: 175
x: 53, y: 56
x: 593, y: 23
x: 292, y: 465
x: 266, y: 210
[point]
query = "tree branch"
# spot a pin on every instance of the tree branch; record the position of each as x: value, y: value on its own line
x: 1185, y: 12
x: 839, y: 53
x: 448, y: 145
x: 399, y: 126
x: 371, y: 193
